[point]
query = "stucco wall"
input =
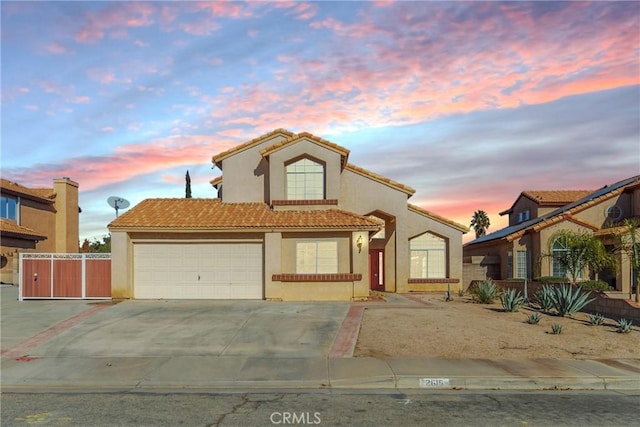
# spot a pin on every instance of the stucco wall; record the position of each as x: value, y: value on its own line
x: 67, y: 221
x: 246, y: 174
x: 365, y: 196
x: 418, y: 224
x: 121, y: 265
x: 523, y: 204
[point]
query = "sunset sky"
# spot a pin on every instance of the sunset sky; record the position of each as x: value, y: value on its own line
x: 468, y: 103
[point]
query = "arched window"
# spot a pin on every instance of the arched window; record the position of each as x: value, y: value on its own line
x: 305, y: 180
x: 428, y: 257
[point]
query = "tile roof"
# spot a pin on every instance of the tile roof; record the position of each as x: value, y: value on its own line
x: 550, y: 197
x: 216, y: 181
x: 216, y: 159
x: 563, y: 213
x: 555, y: 197
x: 11, y: 229
x: 323, y: 142
x: 45, y: 194
x: 381, y: 179
x: 436, y: 217
x: 213, y: 214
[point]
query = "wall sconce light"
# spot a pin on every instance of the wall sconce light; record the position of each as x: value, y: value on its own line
x: 359, y: 243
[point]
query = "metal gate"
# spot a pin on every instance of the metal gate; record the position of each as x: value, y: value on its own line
x: 65, y: 276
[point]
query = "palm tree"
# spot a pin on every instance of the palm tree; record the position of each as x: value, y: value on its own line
x: 580, y: 250
x: 480, y: 222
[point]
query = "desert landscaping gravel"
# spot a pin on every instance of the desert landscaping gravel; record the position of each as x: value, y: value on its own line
x: 461, y: 329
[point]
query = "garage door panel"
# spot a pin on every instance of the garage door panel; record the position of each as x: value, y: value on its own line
x: 198, y: 271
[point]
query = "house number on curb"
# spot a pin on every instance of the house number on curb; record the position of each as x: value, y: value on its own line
x: 434, y: 382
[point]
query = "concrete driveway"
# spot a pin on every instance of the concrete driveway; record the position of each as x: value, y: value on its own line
x: 169, y: 328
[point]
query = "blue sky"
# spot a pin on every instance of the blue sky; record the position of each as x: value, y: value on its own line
x: 470, y: 103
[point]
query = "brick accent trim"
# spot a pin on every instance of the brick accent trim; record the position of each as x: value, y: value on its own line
x: 340, y: 277
x: 434, y: 280
x: 313, y: 202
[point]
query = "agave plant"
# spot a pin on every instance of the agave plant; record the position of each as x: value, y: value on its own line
x: 624, y: 326
x: 533, y: 319
x: 511, y: 300
x: 566, y: 301
x: 544, y: 297
x: 596, y: 319
x: 485, y: 292
x: 556, y: 329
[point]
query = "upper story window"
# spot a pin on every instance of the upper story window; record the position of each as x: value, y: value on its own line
x: 524, y: 216
x: 9, y: 208
x: 305, y: 180
x: 428, y: 257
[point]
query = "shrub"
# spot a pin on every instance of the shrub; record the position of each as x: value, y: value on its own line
x: 511, y: 300
x: 595, y: 285
x: 460, y: 293
x: 596, y: 319
x: 544, y: 297
x: 551, y: 279
x: 624, y: 326
x: 533, y: 319
x: 556, y: 329
x: 566, y: 301
x: 485, y: 292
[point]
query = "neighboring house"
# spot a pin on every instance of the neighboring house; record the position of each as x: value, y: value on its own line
x: 293, y: 221
x: 36, y: 220
x: 518, y: 250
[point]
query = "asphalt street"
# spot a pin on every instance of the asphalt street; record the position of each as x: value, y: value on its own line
x: 328, y: 408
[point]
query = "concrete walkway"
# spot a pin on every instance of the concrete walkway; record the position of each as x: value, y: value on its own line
x: 213, y: 345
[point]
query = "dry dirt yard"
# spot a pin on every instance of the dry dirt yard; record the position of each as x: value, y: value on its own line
x: 462, y: 329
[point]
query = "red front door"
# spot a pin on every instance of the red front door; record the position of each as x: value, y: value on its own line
x: 376, y: 269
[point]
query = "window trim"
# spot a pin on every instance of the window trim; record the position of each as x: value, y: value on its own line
x: 334, y: 259
x: 16, y: 208
x: 444, y: 252
x: 308, y: 192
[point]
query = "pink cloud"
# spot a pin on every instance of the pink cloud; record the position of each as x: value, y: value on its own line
x: 224, y: 9
x: 57, y: 48
x: 126, y: 162
x: 201, y: 27
x: 451, y: 63
x: 115, y: 17
x: 80, y: 99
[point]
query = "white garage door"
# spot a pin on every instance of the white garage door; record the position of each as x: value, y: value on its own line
x: 198, y: 271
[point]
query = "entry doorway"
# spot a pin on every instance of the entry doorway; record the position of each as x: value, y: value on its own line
x: 376, y: 269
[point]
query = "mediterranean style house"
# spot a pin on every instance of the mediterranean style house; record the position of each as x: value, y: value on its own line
x: 517, y: 250
x: 294, y: 220
x: 36, y: 220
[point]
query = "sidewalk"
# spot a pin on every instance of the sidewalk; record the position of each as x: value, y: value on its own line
x: 199, y: 373
x: 146, y: 346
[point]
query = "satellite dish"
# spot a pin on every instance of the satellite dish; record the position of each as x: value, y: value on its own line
x: 118, y: 203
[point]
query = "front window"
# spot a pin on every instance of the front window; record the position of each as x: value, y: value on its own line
x: 320, y: 257
x: 9, y: 208
x: 559, y: 253
x: 522, y: 271
x: 305, y: 180
x: 428, y: 257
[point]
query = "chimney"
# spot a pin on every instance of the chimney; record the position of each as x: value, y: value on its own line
x: 67, y: 218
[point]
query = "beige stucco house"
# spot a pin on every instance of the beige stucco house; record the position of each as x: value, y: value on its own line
x: 36, y: 220
x: 517, y: 250
x: 294, y: 220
